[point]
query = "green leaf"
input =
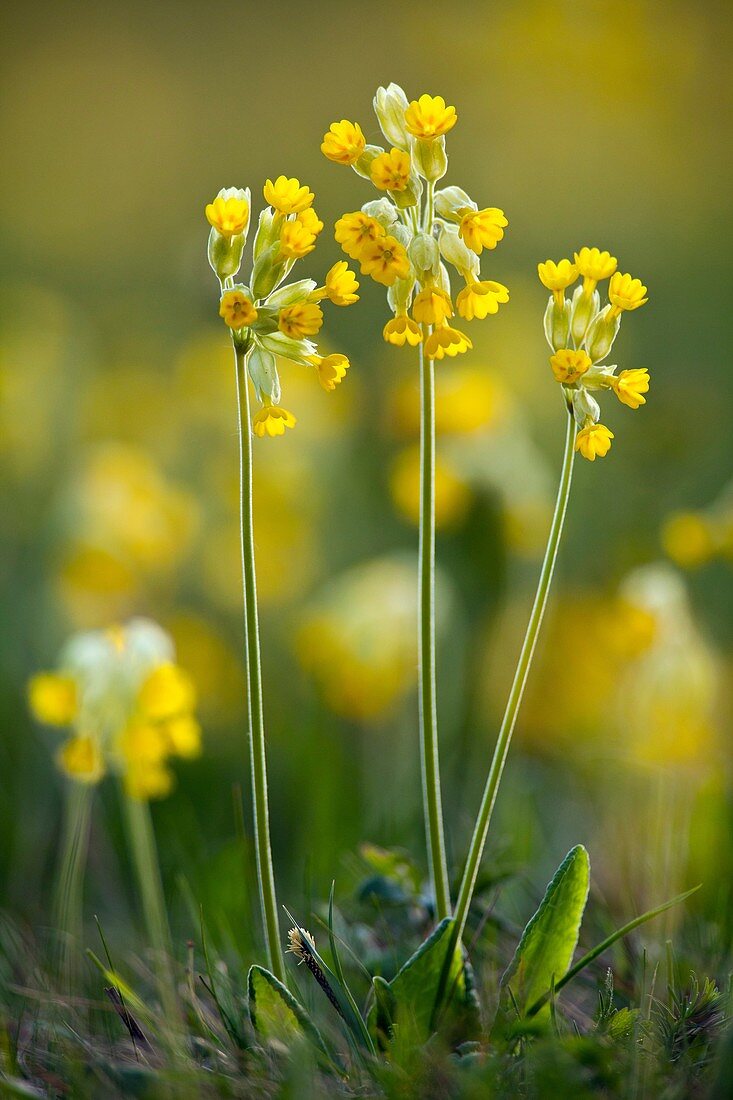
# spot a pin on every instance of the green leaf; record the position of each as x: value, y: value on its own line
x: 275, y: 1013
x: 546, y: 948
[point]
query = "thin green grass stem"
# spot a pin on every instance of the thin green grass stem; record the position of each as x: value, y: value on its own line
x: 69, y: 897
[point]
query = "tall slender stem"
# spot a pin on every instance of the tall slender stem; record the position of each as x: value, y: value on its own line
x: 265, y: 874
x: 429, y: 758
x: 481, y: 828
x: 68, y: 904
x: 147, y: 868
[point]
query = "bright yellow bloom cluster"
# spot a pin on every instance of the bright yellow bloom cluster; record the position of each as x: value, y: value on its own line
x: 407, y: 239
x: 128, y: 707
x: 581, y: 333
x: 269, y: 320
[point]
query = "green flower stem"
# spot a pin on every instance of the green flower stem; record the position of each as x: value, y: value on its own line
x: 265, y: 874
x: 145, y: 857
x: 432, y: 803
x: 68, y: 904
x: 481, y: 828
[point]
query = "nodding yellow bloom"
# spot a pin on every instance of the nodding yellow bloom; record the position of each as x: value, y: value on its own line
x: 432, y: 306
x: 385, y: 259
x: 479, y: 299
x: 287, y: 196
x: 625, y: 293
x: 183, y: 736
x: 166, y: 692
x: 331, y: 369
x: 481, y: 229
x: 557, y: 277
x: 237, y: 309
x: 310, y: 221
x: 630, y: 385
x: 300, y: 320
x: 53, y: 698
x: 445, y: 340
x: 569, y: 365
x: 272, y: 420
x: 344, y: 143
x: 296, y: 240
x: 81, y: 758
x: 594, y: 265
x: 428, y: 117
x: 341, y: 286
x: 148, y: 780
x: 229, y: 212
x: 594, y: 439
x: 401, y: 330
x: 354, y: 231
x: 688, y: 539
x: 391, y: 171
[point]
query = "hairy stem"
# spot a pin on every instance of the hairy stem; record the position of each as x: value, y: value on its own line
x: 265, y: 873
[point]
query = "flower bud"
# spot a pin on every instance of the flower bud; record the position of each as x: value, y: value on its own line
x: 585, y: 407
x: 584, y: 308
x: 225, y: 253
x: 263, y: 372
x: 455, y: 252
x: 382, y: 210
x: 429, y: 157
x: 268, y: 231
x: 293, y: 292
x: 557, y: 324
x: 267, y: 272
x: 424, y: 255
x: 601, y: 334
x: 411, y: 194
x: 443, y: 280
x: 363, y: 165
x: 390, y: 104
x: 399, y: 295
x: 297, y: 351
x: 449, y: 200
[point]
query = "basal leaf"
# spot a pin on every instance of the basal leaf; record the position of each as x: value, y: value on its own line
x: 275, y: 1013
x: 546, y: 948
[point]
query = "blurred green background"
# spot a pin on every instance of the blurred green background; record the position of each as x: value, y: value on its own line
x: 589, y: 124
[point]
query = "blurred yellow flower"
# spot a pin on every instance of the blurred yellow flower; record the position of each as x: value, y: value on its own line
x: 391, y: 171
x: 630, y: 386
x: 300, y: 319
x: 481, y: 229
x: 272, y: 420
x: 594, y: 440
x: 625, y: 293
x: 81, y: 758
x: 385, y: 259
x: 569, y: 365
x: 432, y: 306
x: 401, y: 330
x: 236, y: 309
x: 688, y: 539
x: 452, y: 492
x: 445, y: 340
x: 287, y: 196
x: 428, y: 117
x: 53, y: 698
x: 344, y: 143
x: 467, y: 400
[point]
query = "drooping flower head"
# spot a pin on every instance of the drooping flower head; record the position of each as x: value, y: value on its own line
x: 127, y: 707
x: 269, y: 319
x: 409, y: 238
x: 581, y: 333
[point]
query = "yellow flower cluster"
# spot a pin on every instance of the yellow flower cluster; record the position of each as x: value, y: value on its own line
x: 407, y: 239
x: 128, y: 708
x: 581, y: 333
x: 692, y: 539
x: 269, y: 320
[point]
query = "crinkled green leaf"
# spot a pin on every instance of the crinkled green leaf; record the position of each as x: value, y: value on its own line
x: 275, y: 1013
x: 546, y: 948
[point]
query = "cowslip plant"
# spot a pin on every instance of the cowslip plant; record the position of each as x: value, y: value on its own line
x: 269, y: 319
x: 407, y: 241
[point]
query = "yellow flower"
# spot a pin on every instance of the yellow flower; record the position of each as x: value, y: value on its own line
x: 391, y: 171
x: 310, y: 221
x: 401, y: 330
x: 165, y: 692
x: 480, y: 229
x: 183, y: 736
x: 229, y: 212
x: 354, y: 231
x: 80, y: 758
x: 237, y: 309
x: 296, y: 240
x: 287, y: 196
x: 341, y: 286
x: 569, y: 365
x: 385, y: 259
x: 479, y: 299
x: 452, y: 492
x: 688, y: 539
x: 557, y: 277
x: 446, y: 341
x: 344, y: 143
x: 630, y: 385
x: 594, y: 440
x: 432, y: 306
x: 272, y: 420
x: 428, y: 117
x: 300, y: 320
x: 53, y: 698
x: 331, y: 369
x: 594, y: 265
x: 625, y: 293
x: 148, y: 781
